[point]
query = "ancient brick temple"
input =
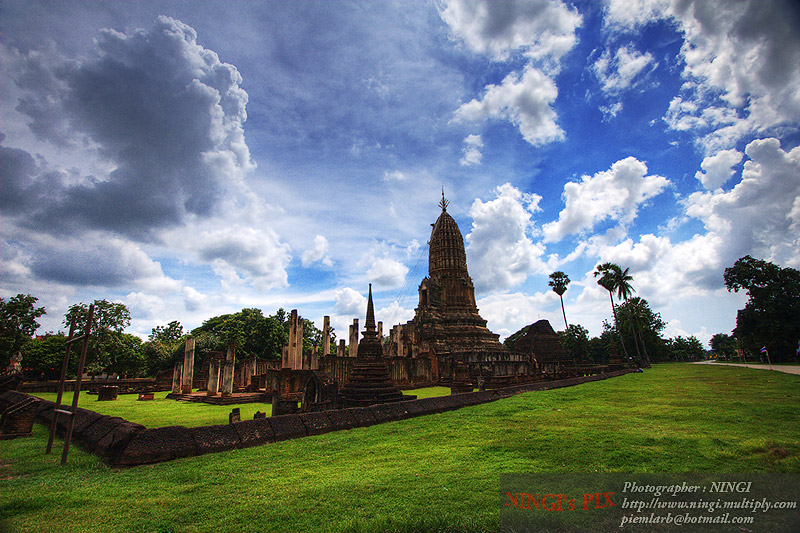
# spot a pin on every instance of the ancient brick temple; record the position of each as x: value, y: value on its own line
x: 368, y: 380
x: 447, y: 327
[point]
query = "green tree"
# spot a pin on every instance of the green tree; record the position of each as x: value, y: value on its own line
x: 170, y: 333
x: 253, y: 333
x: 638, y: 320
x: 164, y: 346
x: 723, y: 345
x: 559, y: 282
x: 599, y: 348
x: 771, y: 316
x: 42, y: 356
x: 575, y: 341
x: 686, y: 349
x: 129, y: 357
x: 18, y: 323
x: 106, y: 342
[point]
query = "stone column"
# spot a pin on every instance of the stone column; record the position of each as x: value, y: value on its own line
x: 250, y: 371
x: 400, y: 347
x: 293, y: 340
x: 299, y: 344
x: 380, y: 331
x: 326, y: 336
x: 213, y: 377
x: 188, y: 366
x: 354, y: 338
x: 285, y: 357
x: 227, y: 372
x: 176, y: 377
x: 314, y: 363
x: 340, y: 348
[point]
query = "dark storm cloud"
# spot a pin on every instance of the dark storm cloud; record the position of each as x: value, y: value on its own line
x: 163, y: 111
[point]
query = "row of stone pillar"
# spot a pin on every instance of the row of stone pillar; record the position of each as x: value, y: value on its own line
x: 183, y: 374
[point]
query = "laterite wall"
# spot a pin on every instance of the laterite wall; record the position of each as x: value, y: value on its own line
x: 123, y: 443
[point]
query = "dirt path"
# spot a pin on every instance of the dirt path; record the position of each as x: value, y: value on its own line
x: 789, y: 369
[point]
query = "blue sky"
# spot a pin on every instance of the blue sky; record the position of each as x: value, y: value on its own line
x: 192, y: 159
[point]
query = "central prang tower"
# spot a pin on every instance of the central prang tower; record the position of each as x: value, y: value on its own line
x: 447, y: 319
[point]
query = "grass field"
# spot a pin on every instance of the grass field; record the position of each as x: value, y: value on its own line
x: 162, y: 412
x: 437, y: 472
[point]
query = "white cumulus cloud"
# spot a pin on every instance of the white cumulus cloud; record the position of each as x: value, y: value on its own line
x: 718, y: 168
x: 539, y: 28
x: 618, y: 73
x: 543, y: 31
x: 472, y: 151
x: 501, y: 253
x: 746, y: 52
x: 525, y: 101
x: 614, y: 194
x: 387, y: 272
x: 349, y: 302
x: 317, y: 253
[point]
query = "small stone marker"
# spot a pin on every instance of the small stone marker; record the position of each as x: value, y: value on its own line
x: 259, y: 414
x: 235, y: 416
x: 146, y: 396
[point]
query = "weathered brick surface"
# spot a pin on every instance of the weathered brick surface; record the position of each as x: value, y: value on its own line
x: 287, y: 427
x: 156, y: 445
x: 317, y: 423
x: 390, y: 411
x: 342, y: 419
x: 115, y: 441
x: 364, y: 417
x: 91, y: 437
x: 83, y: 420
x: 215, y: 438
x: 254, y: 432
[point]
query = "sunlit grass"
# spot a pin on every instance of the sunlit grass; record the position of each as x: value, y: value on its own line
x: 162, y: 412
x: 432, y: 473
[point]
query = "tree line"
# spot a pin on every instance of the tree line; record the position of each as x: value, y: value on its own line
x: 769, y: 323
x: 113, y: 351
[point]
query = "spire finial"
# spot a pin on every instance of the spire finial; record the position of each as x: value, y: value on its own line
x: 445, y: 202
x: 370, y: 322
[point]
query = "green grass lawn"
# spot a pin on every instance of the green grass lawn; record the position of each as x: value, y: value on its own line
x: 162, y: 412
x: 437, y: 472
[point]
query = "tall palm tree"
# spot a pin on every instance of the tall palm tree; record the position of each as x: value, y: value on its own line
x: 607, y: 274
x: 622, y: 284
x: 559, y: 282
x: 638, y: 310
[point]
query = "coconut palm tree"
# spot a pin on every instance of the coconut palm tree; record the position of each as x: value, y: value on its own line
x: 622, y: 284
x: 607, y: 274
x: 559, y: 282
x: 639, y: 313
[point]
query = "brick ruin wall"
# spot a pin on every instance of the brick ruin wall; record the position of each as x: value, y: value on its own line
x: 122, y: 443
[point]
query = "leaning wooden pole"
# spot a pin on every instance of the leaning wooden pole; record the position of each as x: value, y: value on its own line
x: 78, y: 380
x: 61, y: 383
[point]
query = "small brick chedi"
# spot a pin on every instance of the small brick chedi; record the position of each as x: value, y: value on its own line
x: 368, y: 381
